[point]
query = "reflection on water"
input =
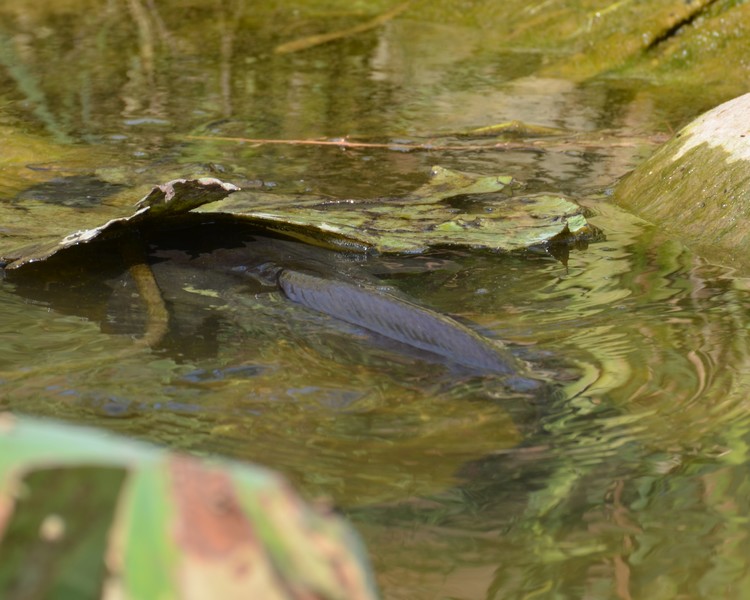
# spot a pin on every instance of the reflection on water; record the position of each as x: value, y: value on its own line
x: 617, y: 493
x: 629, y: 482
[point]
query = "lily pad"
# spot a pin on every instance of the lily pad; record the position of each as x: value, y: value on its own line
x: 175, y: 197
x: 453, y: 210
x: 166, y: 525
x: 480, y: 213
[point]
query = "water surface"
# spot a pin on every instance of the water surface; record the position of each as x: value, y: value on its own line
x: 629, y: 482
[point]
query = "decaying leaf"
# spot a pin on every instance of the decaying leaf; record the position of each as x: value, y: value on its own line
x: 496, y: 224
x: 175, y: 197
x: 167, y: 525
x: 452, y: 210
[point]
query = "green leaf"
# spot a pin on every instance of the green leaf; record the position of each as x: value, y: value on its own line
x: 479, y: 217
x: 453, y: 209
x: 517, y: 129
x: 172, y: 198
x: 146, y: 523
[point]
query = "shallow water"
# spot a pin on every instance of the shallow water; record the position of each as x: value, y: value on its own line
x: 629, y: 482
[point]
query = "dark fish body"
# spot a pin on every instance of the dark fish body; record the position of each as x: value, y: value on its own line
x: 199, y: 273
x: 322, y: 281
x: 397, y: 319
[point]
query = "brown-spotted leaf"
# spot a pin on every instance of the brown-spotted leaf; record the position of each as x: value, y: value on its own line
x: 101, y: 516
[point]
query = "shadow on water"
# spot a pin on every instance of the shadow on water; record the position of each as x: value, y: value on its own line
x: 238, y: 358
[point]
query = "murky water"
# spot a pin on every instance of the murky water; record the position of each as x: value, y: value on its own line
x: 631, y: 481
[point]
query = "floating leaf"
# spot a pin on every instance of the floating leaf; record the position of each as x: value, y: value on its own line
x: 174, y: 197
x: 516, y: 129
x: 479, y: 216
x: 452, y: 210
x: 445, y: 183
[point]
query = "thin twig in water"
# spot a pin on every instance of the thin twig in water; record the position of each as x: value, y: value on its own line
x: 324, y: 38
x: 542, y: 145
x: 157, y: 322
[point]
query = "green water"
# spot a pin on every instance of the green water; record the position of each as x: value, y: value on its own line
x: 632, y: 482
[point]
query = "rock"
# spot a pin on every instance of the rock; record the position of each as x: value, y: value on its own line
x: 697, y: 186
